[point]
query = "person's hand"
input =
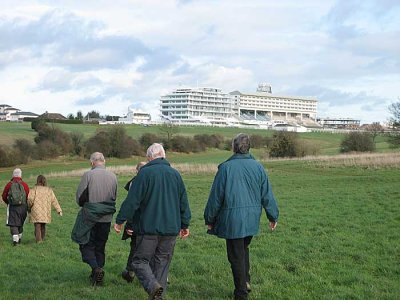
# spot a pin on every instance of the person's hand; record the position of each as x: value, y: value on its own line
x: 60, y: 213
x: 184, y: 233
x: 118, y: 228
x: 272, y: 225
x: 209, y: 227
x: 129, y: 231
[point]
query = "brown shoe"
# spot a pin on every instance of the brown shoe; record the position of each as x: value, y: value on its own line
x: 156, y: 293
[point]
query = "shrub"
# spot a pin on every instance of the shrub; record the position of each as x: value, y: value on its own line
x: 183, y: 144
x: 394, y: 139
x: 47, y: 149
x: 100, y: 142
x: 77, y: 143
x: 357, y: 141
x: 113, y: 142
x: 25, y: 150
x: 283, y: 144
x: 257, y: 141
x: 38, y: 123
x: 4, y: 161
x: 148, y: 139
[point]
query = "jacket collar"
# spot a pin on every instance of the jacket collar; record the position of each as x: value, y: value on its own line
x: 240, y: 156
x: 157, y: 161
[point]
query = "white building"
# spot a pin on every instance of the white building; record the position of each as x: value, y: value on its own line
x: 20, y: 115
x: 265, y: 106
x: 135, y: 116
x: 196, y: 105
x: 339, y: 122
x: 260, y: 109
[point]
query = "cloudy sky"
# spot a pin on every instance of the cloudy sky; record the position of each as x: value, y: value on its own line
x: 108, y: 55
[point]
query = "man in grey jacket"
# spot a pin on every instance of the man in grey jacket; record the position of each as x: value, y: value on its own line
x: 97, y: 186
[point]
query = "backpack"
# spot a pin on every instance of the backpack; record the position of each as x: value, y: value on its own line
x: 16, y: 195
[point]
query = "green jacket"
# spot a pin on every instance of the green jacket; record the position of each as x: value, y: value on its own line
x: 87, y: 217
x: 156, y: 203
x: 240, y: 190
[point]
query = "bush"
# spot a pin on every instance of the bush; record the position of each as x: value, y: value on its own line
x: 184, y: 144
x: 283, y: 144
x: 394, y: 139
x: 287, y: 144
x: 148, y: 139
x: 257, y: 141
x: 113, y: 142
x: 47, y: 149
x: 38, y: 123
x: 77, y: 143
x: 25, y: 150
x: 4, y: 161
x: 357, y: 141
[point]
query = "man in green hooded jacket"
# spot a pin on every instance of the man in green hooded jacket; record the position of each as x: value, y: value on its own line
x: 158, y: 208
x: 239, y: 192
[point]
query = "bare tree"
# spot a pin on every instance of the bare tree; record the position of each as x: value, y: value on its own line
x: 374, y: 129
x: 394, y: 109
x: 394, y: 136
x: 169, y: 130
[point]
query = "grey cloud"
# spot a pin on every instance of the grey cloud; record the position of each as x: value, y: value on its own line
x: 91, y: 100
x: 66, y: 40
x: 159, y: 59
x: 336, y: 97
x: 60, y: 80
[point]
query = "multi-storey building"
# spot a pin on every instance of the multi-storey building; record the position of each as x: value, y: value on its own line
x: 265, y: 106
x: 212, y: 106
x: 197, y: 105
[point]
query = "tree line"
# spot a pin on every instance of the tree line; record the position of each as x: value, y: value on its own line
x: 51, y: 142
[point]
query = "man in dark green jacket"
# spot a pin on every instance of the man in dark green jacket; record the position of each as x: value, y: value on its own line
x: 158, y: 208
x: 240, y: 190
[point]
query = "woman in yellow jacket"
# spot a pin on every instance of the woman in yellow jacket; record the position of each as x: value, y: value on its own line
x: 40, y: 200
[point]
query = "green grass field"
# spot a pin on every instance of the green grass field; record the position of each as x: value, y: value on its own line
x: 338, y: 237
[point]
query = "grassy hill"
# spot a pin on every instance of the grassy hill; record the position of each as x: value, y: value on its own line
x: 328, y: 143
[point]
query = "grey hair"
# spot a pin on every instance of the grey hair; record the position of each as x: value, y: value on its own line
x: 17, y: 172
x: 241, y: 144
x: 97, y: 157
x: 155, y: 151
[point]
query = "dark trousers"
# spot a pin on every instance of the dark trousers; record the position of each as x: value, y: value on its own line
x: 129, y: 266
x: 40, y: 231
x: 151, y: 260
x: 93, y: 253
x: 16, y: 230
x: 238, y: 256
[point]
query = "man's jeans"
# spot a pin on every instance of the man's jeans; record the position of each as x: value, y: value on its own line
x: 238, y: 256
x: 151, y: 260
